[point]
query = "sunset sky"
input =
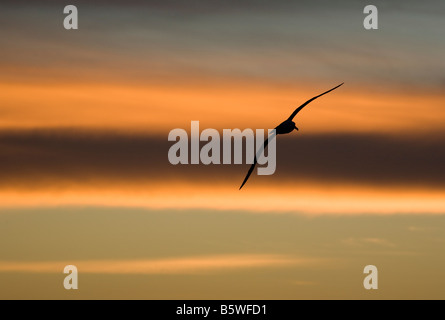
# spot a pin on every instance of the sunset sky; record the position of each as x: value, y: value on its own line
x: 85, y: 178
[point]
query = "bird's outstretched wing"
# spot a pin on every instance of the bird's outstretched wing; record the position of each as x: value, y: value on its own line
x: 309, y: 101
x: 255, y: 161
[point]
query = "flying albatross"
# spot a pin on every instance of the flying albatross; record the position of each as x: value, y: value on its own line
x: 286, y: 126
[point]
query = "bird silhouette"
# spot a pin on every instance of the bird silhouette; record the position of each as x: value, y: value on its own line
x: 285, y: 127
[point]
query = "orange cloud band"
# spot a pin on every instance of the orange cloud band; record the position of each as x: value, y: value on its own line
x: 293, y: 198
x: 187, y: 265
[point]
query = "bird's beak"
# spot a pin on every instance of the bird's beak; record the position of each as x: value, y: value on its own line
x: 296, y: 128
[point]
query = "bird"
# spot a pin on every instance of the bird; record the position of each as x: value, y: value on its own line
x: 287, y: 126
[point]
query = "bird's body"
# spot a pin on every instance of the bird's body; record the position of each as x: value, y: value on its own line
x: 285, y: 127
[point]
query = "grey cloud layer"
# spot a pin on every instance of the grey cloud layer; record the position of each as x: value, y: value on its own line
x: 51, y: 158
x: 284, y: 42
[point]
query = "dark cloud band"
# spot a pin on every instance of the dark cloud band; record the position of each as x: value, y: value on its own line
x: 47, y: 157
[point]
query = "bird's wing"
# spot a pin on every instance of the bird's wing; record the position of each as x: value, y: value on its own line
x: 255, y: 161
x: 309, y: 101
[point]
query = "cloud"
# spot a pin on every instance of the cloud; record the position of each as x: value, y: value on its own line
x: 420, y: 229
x: 359, y: 242
x: 280, y: 42
x: 184, y: 265
x: 63, y: 157
x: 345, y: 173
x: 288, y: 198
